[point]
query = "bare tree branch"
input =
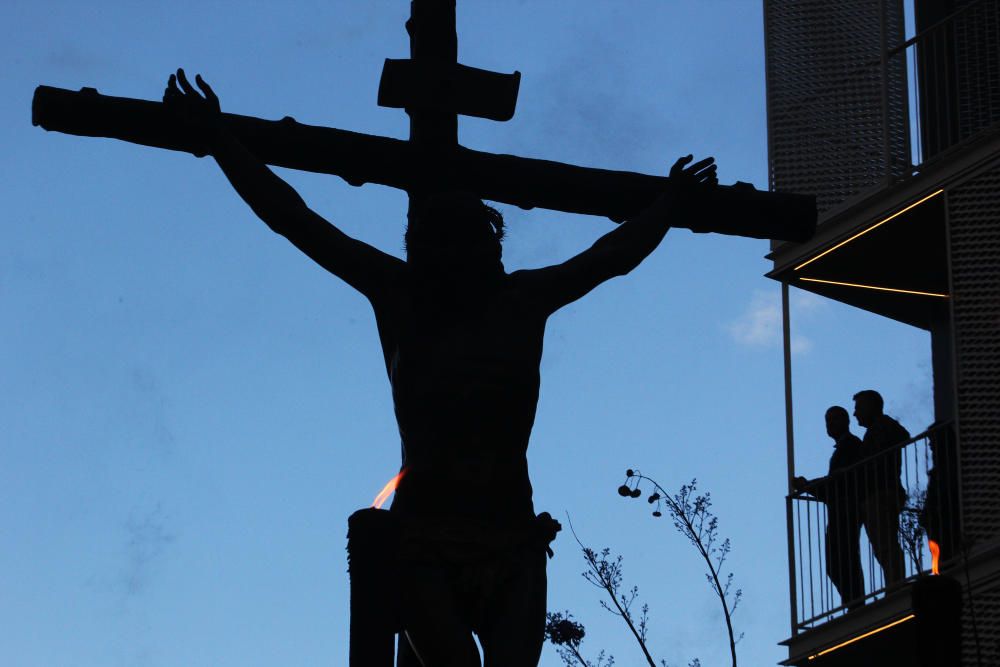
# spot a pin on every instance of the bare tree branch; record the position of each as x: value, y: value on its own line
x: 692, y: 516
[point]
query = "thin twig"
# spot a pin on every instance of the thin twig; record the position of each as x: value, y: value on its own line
x: 610, y: 587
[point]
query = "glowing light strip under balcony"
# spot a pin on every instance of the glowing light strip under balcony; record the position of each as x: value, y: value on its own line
x: 865, y: 231
x: 860, y: 637
x: 881, y: 289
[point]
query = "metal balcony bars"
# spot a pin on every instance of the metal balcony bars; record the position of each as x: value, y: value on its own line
x: 875, y: 516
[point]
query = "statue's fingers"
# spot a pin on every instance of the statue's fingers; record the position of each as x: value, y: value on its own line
x: 678, y: 167
x: 185, y: 84
x: 171, y: 91
x: 706, y: 174
x: 701, y: 164
x: 207, y: 89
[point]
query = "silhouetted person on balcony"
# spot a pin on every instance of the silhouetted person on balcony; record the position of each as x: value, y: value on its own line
x: 884, y: 495
x: 940, y: 515
x: 462, y: 344
x: 840, y: 492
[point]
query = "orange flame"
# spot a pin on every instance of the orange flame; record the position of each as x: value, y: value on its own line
x: 387, y: 490
x: 935, y: 555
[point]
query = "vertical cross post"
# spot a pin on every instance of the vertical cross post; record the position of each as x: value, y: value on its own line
x: 433, y: 132
x: 433, y: 41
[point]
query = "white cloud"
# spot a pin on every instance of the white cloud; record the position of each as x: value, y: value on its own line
x: 800, y: 344
x: 806, y: 302
x: 760, y: 323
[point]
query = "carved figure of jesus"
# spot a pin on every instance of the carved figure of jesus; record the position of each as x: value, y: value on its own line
x: 462, y: 344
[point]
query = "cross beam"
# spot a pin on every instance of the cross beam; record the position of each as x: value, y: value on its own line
x: 432, y: 159
x: 363, y: 158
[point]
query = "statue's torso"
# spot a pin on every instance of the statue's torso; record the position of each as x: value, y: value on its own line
x: 465, y: 382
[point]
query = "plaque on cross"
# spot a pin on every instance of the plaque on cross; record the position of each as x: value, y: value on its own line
x: 434, y: 89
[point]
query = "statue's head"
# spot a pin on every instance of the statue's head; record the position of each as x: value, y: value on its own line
x: 838, y: 422
x: 868, y: 406
x: 456, y: 233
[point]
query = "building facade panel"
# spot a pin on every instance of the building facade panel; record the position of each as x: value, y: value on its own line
x: 836, y: 125
x: 974, y: 223
x: 981, y: 640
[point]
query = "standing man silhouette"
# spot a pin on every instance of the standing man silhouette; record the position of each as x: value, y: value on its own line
x: 884, y: 495
x: 840, y: 491
x: 462, y: 343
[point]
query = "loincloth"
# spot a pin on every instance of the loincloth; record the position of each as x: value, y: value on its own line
x: 478, y: 561
x: 462, y: 541
x: 475, y: 559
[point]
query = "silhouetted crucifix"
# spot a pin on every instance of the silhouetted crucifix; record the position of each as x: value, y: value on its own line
x: 461, y: 338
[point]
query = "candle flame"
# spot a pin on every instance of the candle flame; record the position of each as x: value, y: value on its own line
x: 935, y: 555
x: 387, y: 490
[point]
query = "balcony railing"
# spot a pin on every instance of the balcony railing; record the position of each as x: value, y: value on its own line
x: 952, y: 67
x: 867, y: 527
x: 879, y: 121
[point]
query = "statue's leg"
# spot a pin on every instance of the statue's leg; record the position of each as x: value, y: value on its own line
x: 514, y: 627
x: 432, y: 620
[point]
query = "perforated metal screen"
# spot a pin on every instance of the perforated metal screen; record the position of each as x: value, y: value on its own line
x: 977, y: 57
x: 974, y: 212
x: 981, y: 642
x: 829, y: 133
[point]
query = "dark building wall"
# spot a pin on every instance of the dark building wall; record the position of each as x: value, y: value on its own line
x: 981, y: 641
x: 958, y: 63
x: 974, y: 231
x: 974, y: 226
x: 827, y: 129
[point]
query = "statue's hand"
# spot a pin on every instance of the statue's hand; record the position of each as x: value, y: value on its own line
x: 702, y: 172
x: 692, y: 181
x: 200, y: 115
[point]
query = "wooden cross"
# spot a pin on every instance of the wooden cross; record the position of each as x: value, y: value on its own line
x: 433, y: 89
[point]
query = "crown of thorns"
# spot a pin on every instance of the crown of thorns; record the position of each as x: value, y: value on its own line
x: 455, y: 213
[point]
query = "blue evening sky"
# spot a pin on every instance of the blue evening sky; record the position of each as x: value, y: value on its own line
x: 191, y: 408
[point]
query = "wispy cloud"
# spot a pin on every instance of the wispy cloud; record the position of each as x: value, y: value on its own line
x: 74, y: 58
x: 592, y: 113
x: 147, y: 539
x: 915, y: 406
x: 149, y: 411
x: 760, y: 323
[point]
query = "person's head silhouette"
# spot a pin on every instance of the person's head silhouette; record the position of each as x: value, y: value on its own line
x: 454, y: 234
x: 838, y: 422
x: 868, y: 407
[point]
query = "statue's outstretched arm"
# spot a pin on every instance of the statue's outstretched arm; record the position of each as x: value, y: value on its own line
x: 621, y: 250
x: 362, y: 266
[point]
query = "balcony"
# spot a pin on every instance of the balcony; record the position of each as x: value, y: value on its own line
x: 928, y: 508
x: 855, y: 120
x: 881, y: 143
x: 903, y: 497
x: 895, y: 136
